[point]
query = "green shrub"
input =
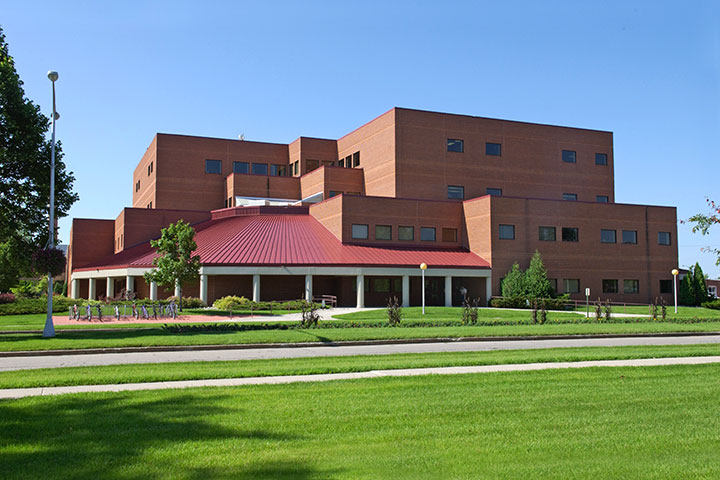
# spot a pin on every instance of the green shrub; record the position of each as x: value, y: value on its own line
x: 519, y: 301
x: 714, y: 304
x: 29, y: 288
x: 23, y: 306
x: 231, y: 302
x: 187, y: 302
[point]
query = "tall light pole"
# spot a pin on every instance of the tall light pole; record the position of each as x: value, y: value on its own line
x: 423, y: 267
x: 49, y: 330
x: 675, y: 272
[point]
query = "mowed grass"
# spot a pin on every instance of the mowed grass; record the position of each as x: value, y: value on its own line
x: 601, y: 423
x: 49, y: 377
x: 683, y: 312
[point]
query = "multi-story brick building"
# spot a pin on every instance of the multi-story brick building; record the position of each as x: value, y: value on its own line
x: 354, y: 217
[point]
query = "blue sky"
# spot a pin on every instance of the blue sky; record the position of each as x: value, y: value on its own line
x: 648, y: 71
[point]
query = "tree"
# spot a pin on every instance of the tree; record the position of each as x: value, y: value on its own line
x: 25, y: 175
x: 514, y: 282
x: 175, y: 263
x: 704, y: 222
x: 537, y: 284
x: 686, y: 292
x: 700, y: 287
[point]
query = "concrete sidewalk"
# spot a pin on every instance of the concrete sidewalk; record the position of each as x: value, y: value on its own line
x: 277, y: 380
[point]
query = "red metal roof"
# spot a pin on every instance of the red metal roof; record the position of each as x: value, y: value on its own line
x: 275, y: 240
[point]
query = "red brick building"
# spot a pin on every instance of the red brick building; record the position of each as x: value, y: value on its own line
x: 354, y: 217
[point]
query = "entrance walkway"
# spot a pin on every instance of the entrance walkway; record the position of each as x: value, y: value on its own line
x: 234, y: 382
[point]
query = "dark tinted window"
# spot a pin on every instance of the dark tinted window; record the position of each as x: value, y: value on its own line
x: 259, y: 168
x: 449, y: 234
x: 455, y: 145
x: 610, y: 286
x: 629, y: 236
x: 631, y: 286
x: 546, y: 234
x: 241, y: 167
x: 427, y: 234
x: 406, y: 233
x: 493, y: 149
x: 213, y: 166
x: 570, y: 234
x: 494, y: 191
x: 456, y: 191
x: 568, y: 156
x: 571, y: 285
x: 601, y: 159
x: 608, y: 236
x: 383, y: 232
x: 666, y: 286
x: 663, y: 238
x: 507, y: 232
x: 356, y: 159
x: 570, y: 196
x: 278, y: 170
x: 359, y: 231
x: 602, y: 198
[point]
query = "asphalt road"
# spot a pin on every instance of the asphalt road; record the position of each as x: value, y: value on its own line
x: 56, y: 361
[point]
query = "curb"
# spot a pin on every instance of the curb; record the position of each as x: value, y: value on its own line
x: 248, y: 346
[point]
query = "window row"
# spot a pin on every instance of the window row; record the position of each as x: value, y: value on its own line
x: 457, y: 192
x: 360, y: 231
x: 351, y: 161
x: 150, y: 168
x: 457, y: 145
x: 572, y: 234
x: 570, y: 156
x: 612, y: 286
x: 215, y: 166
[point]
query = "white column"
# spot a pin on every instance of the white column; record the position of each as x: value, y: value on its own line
x: 153, y: 291
x: 91, y: 289
x: 488, y: 289
x: 204, y: 288
x: 448, y: 291
x: 360, y: 283
x: 109, y: 287
x: 74, y: 288
x: 130, y: 283
x: 177, y: 289
x: 308, y: 288
x: 256, y: 288
x: 406, y: 291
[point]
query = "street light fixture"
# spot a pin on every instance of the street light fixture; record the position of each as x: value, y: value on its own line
x: 675, y: 272
x: 49, y: 330
x: 423, y: 267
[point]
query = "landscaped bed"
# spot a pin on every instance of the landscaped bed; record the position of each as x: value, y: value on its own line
x: 653, y: 422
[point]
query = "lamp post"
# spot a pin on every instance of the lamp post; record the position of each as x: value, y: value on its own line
x: 423, y: 267
x: 49, y: 330
x: 675, y: 274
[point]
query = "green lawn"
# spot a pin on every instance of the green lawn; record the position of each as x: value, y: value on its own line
x: 601, y: 423
x: 50, y: 377
x: 683, y: 312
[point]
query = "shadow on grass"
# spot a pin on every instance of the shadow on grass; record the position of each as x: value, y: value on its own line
x: 128, y: 436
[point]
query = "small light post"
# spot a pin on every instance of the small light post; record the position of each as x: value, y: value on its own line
x: 587, y: 303
x: 423, y: 267
x: 675, y: 272
x: 49, y: 330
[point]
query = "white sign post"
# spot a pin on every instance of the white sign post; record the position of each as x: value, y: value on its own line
x: 587, y: 303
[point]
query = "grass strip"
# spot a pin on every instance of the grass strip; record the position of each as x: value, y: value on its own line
x: 600, y: 423
x: 49, y: 377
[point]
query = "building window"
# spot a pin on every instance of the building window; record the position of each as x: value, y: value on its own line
x: 610, y: 286
x: 571, y: 285
x: 456, y: 191
x: 296, y: 167
x: 631, y: 286
x: 455, y: 145
x: 449, y: 234
x: 149, y: 205
x: 553, y: 284
x: 546, y: 234
x: 213, y: 166
x: 150, y: 168
x: 608, y: 236
x: 507, y: 232
x: 493, y: 149
x: 241, y: 167
x: 259, y: 169
x: 712, y: 291
x: 406, y: 233
x: 137, y: 189
x: 333, y: 193
x: 381, y: 285
x: 570, y: 234
x: 570, y: 196
x: 602, y: 198
x: 359, y: 231
x: 663, y: 238
x: 496, y: 192
x: 569, y: 156
x: 601, y: 159
x: 278, y: 170
x: 666, y: 286
x: 356, y: 159
x: 311, y: 165
x: 341, y: 162
x: 629, y: 236
x: 383, y: 232
x: 427, y: 234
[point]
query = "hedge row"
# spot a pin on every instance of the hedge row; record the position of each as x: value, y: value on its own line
x: 560, y: 303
